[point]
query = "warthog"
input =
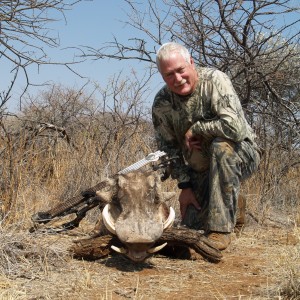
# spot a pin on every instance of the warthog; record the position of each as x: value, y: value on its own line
x: 136, y: 213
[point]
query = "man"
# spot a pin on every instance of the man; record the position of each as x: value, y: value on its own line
x: 197, y: 116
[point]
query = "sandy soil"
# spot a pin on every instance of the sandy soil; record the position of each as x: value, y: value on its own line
x: 251, y: 268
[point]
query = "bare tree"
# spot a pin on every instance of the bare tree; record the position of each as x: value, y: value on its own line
x: 123, y: 118
x: 255, y: 42
x: 25, y: 34
x: 73, y: 134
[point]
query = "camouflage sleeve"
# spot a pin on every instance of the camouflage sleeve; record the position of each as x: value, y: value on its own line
x: 231, y: 122
x: 165, y: 135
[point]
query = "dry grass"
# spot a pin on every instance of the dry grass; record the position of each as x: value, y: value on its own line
x: 263, y: 263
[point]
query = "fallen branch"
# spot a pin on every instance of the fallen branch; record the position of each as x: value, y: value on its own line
x: 99, y: 247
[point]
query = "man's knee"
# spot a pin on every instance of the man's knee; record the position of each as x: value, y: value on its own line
x: 221, y: 147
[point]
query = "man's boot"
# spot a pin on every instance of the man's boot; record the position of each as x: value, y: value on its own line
x: 220, y: 240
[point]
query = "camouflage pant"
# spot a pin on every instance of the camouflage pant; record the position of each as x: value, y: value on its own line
x: 217, y: 188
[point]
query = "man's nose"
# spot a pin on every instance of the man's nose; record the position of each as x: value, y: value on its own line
x: 178, y: 77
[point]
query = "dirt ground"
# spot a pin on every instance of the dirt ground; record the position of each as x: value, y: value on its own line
x: 251, y: 268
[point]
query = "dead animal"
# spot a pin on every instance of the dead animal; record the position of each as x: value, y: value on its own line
x: 136, y: 213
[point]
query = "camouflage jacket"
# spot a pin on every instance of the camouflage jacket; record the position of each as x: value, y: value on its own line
x: 212, y: 110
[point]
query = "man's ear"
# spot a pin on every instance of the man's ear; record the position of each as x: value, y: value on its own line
x: 191, y: 61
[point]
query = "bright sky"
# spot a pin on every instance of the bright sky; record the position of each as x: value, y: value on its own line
x: 89, y: 23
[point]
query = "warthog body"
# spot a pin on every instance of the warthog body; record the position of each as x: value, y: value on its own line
x: 137, y: 213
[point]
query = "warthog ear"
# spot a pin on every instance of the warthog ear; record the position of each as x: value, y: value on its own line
x: 168, y: 195
x: 107, y: 192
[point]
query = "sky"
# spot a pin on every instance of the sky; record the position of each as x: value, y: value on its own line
x: 90, y: 23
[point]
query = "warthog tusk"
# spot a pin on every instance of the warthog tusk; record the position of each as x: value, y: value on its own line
x: 108, y: 222
x: 156, y: 249
x: 169, y: 222
x: 119, y: 250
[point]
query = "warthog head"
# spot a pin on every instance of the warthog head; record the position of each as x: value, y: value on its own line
x: 137, y: 213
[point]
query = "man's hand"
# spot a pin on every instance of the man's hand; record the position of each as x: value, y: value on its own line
x: 186, y: 198
x: 192, y: 141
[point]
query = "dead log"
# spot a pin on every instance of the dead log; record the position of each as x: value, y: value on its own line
x: 100, y: 247
x: 93, y: 248
x: 192, y: 239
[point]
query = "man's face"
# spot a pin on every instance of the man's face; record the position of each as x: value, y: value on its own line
x: 180, y: 76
